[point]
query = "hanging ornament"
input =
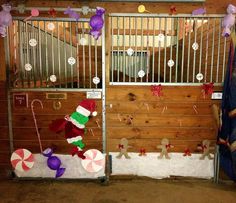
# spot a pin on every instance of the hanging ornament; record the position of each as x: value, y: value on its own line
x: 71, y: 60
x: 171, y: 63
x: 156, y: 90
x: 96, y: 80
x: 72, y: 14
x: 199, y: 76
x: 52, y: 12
x: 142, y: 9
x: 32, y: 42
x: 141, y: 73
x: 28, y: 67
x: 207, y: 89
x: 53, y: 78
x: 22, y: 160
x: 195, y: 46
x: 199, y: 11
x: 160, y: 37
x: 173, y: 10
x: 83, y: 41
x: 34, y: 13
x: 51, y: 26
x: 94, y: 161
x: 130, y: 51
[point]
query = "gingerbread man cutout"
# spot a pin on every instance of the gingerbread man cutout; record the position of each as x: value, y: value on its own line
x: 123, y: 146
x: 205, y: 148
x: 165, y: 146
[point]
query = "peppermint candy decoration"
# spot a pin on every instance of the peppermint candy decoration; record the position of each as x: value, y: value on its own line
x: 94, y: 161
x: 22, y: 160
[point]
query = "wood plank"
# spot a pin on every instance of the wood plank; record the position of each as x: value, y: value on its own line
x: 159, y: 132
x: 5, y: 158
x: 4, y: 146
x: 3, y: 118
x: 4, y: 133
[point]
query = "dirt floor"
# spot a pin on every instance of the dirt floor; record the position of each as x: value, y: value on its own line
x: 128, y: 191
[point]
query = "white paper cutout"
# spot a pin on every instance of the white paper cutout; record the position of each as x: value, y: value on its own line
x: 32, y: 42
x: 83, y: 41
x: 141, y: 73
x: 130, y: 51
x: 53, y: 78
x: 160, y: 37
x: 96, y: 80
x: 195, y: 46
x: 171, y: 63
x: 71, y: 60
x: 28, y: 67
x: 199, y: 76
x: 51, y: 26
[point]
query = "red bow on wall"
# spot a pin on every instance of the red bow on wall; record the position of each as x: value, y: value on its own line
x: 187, y: 152
x: 52, y: 12
x: 168, y: 146
x: 156, y: 90
x: 142, y: 152
x: 207, y: 89
x: 121, y: 146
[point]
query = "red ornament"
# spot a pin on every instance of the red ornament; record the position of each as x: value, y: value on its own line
x: 168, y: 146
x: 156, y: 90
x: 173, y: 10
x: 207, y: 89
x: 142, y: 152
x: 52, y: 12
x: 187, y: 152
x: 121, y: 146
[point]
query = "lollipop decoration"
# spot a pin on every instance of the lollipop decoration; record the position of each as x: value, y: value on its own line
x: 96, y: 23
x: 22, y: 160
x: 5, y: 19
x: 72, y: 14
x: 34, y: 13
x: 54, y: 162
x: 228, y: 21
x: 142, y: 9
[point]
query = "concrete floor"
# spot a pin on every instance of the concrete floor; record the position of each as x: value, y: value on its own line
x: 128, y: 191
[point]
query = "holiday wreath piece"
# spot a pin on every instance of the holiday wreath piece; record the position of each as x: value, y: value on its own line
x: 74, y: 125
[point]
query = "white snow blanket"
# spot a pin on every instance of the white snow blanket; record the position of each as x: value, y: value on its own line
x: 151, y: 166
x: 74, y: 168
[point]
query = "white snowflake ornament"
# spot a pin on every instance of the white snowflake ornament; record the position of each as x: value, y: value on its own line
x: 28, y: 67
x: 32, y: 42
x: 53, y: 78
x: 71, y: 60
x: 199, y: 76
x: 96, y: 80
x: 195, y: 46
x: 51, y: 26
x: 130, y: 51
x: 171, y: 63
x: 141, y: 73
x: 83, y: 41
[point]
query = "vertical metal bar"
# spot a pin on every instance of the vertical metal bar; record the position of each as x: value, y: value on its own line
x: 183, y: 47
x: 224, y: 55
x: 136, y: 51
x: 218, y: 55
x: 40, y: 54
x: 177, y: 52
x: 171, y: 48
x: 52, y: 52
x: 213, y: 49
x: 194, y: 51
x: 165, y: 41
x: 27, y: 51
x: 147, y: 53
x: 153, y: 49
x: 65, y: 55
x: 96, y: 60
x: 59, y: 54
x: 77, y: 55
x: 71, y: 55
x: 129, y: 58
x: 34, y: 54
x: 118, y: 51
x: 46, y: 51
x: 21, y: 40
x: 189, y: 41
x: 206, y: 56
x: 112, y: 50
x: 141, y: 54
x: 200, y: 57
x: 90, y: 63
x: 159, y: 52
x: 124, y: 52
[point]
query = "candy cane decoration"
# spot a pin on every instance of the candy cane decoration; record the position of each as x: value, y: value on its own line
x: 91, y: 132
x: 35, y: 122
x: 195, y: 109
x: 164, y: 109
x: 147, y: 106
x: 97, y: 122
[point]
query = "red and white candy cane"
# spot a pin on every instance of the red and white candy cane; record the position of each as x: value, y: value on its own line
x: 35, y: 122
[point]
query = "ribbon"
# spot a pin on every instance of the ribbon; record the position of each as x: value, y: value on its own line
x: 187, y: 152
x: 121, y: 146
x: 173, y: 10
x: 142, y: 152
x: 223, y: 142
x: 207, y: 89
x: 52, y: 12
x: 168, y: 146
x: 156, y: 90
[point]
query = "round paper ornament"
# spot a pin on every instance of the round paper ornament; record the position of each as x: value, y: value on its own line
x: 141, y: 73
x: 71, y: 60
x: 199, y: 76
x: 94, y: 161
x: 195, y: 46
x: 32, y: 42
x: 22, y: 160
x: 53, y: 78
x: 130, y: 51
x: 160, y: 37
x: 96, y: 80
x: 28, y: 67
x: 141, y: 9
x: 51, y: 26
x: 83, y: 41
x: 171, y: 63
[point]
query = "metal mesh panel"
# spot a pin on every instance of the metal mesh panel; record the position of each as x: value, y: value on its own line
x: 182, y: 49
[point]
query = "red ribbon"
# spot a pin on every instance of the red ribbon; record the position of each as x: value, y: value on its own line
x: 156, y: 90
x: 207, y: 89
x: 142, y: 152
x: 121, y: 146
x: 173, y: 10
x: 168, y: 146
x: 52, y: 12
x: 187, y: 152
